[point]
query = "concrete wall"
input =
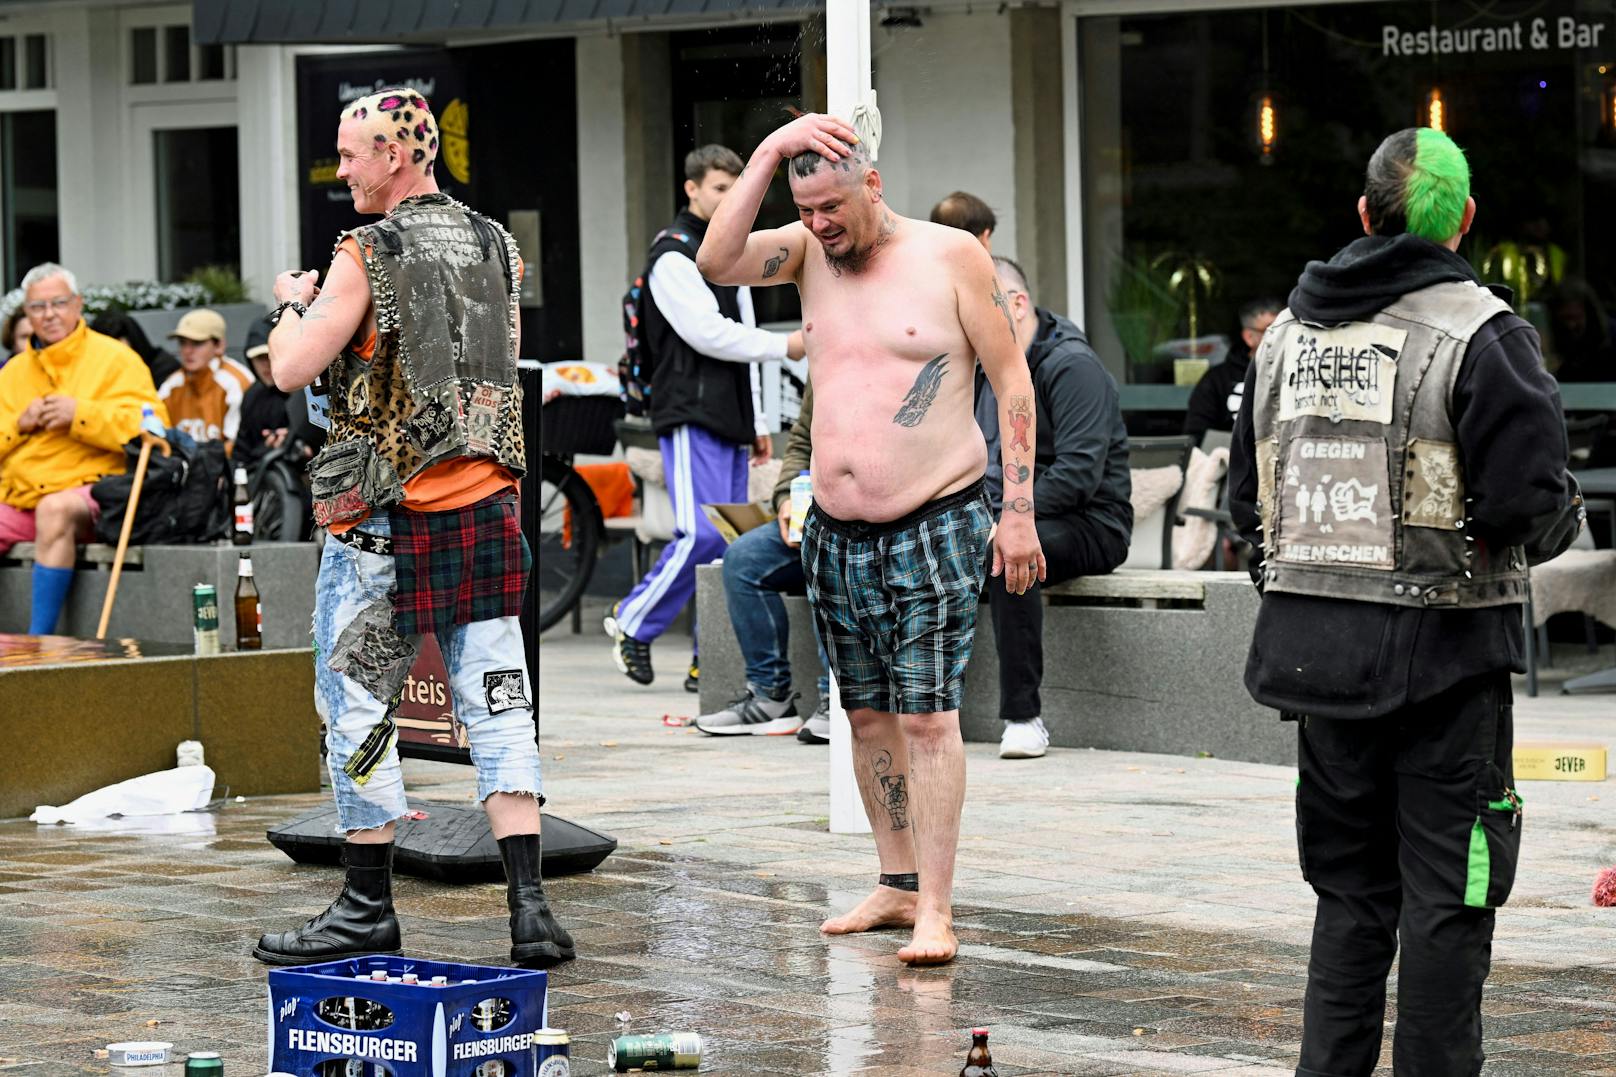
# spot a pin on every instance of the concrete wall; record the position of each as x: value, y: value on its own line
x: 945, y: 95
x: 602, y: 193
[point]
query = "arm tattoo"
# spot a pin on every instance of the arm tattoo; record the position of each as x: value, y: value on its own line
x: 895, y: 798
x: 1017, y: 472
x: 1018, y: 504
x: 317, y: 308
x: 1003, y: 304
x: 772, y: 265
x: 922, y: 393
x: 1020, y: 409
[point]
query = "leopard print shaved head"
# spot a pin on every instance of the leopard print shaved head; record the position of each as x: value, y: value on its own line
x: 399, y: 114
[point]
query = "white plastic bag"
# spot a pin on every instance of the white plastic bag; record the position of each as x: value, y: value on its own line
x: 162, y: 793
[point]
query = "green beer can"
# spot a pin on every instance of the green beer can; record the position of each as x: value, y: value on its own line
x: 205, y: 603
x: 666, y: 1051
x: 206, y: 1063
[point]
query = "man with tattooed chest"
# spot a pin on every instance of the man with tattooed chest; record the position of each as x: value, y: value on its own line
x: 894, y: 310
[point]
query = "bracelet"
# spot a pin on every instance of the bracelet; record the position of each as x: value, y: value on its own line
x: 275, y: 318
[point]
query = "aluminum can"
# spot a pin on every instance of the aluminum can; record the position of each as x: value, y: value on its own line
x: 664, y: 1051
x: 553, y: 1051
x: 205, y: 604
x: 207, y: 1063
x: 802, y: 499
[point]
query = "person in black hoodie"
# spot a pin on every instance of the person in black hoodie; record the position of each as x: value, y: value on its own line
x: 1081, y: 488
x: 704, y: 340
x: 1215, y: 400
x: 117, y: 323
x: 1398, y: 461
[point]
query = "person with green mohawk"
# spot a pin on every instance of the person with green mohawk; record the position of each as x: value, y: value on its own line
x: 1398, y: 462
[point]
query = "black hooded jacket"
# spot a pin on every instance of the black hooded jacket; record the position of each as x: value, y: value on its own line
x: 686, y: 386
x: 1338, y: 658
x: 1081, y: 463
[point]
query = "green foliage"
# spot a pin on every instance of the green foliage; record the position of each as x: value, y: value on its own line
x: 223, y: 284
x: 1145, y: 310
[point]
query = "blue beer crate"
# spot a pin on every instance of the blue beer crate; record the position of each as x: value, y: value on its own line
x: 334, y: 1020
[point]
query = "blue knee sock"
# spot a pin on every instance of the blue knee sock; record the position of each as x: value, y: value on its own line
x: 50, y: 591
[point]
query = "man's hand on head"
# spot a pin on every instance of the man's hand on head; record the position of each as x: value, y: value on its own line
x: 829, y: 136
x: 57, y: 411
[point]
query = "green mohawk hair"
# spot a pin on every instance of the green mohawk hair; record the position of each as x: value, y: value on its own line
x: 1437, y: 186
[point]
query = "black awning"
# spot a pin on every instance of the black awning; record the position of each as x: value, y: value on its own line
x: 363, y: 22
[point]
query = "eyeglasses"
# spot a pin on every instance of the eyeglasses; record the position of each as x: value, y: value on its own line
x: 39, y: 306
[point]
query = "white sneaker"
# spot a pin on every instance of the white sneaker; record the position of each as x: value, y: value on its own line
x: 816, y: 730
x: 1024, y: 740
x: 753, y: 714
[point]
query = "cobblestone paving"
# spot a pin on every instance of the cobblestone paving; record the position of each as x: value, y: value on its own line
x: 1120, y: 914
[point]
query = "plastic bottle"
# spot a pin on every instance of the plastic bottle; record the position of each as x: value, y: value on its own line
x: 802, y: 498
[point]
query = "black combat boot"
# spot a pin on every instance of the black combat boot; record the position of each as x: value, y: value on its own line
x: 537, y: 940
x: 359, y: 922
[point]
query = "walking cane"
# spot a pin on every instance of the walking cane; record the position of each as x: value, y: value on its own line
x: 147, y: 440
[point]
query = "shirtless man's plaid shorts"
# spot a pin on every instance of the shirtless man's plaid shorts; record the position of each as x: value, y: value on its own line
x: 896, y: 602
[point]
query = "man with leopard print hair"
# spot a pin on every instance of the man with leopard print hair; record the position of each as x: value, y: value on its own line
x: 415, y: 325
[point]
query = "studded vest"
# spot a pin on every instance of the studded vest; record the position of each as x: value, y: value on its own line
x: 1360, y: 478
x: 442, y: 381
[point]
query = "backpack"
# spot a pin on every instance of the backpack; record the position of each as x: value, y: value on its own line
x: 638, y: 364
x: 184, y: 498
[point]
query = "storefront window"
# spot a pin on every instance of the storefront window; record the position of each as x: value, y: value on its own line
x: 28, y: 206
x: 198, y: 200
x: 1223, y: 150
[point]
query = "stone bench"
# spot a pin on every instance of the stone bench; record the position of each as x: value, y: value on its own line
x: 1141, y: 660
x: 154, y: 590
x: 75, y: 726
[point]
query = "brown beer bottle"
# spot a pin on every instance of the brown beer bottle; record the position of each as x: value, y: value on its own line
x: 979, y: 1063
x: 249, y: 613
x: 242, y: 535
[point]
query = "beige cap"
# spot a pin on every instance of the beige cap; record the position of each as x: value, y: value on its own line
x: 201, y: 324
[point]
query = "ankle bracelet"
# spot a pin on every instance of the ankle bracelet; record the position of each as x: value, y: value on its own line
x: 909, y: 881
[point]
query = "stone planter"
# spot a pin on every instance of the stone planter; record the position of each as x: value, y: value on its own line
x: 238, y: 316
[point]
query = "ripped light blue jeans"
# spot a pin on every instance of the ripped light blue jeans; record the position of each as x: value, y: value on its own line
x: 360, y: 664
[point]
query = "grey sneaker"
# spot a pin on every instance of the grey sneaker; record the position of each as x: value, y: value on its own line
x: 816, y: 730
x: 753, y: 714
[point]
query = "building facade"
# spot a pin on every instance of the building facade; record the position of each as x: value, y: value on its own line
x: 1153, y: 163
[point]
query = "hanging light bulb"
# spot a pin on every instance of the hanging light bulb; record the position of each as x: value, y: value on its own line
x: 1267, y: 127
x: 1436, y: 111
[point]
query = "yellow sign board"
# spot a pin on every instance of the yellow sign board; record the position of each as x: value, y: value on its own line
x: 1559, y: 762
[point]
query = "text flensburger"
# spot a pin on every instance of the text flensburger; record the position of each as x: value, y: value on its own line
x: 1565, y: 32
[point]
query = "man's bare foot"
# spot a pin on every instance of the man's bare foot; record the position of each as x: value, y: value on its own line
x: 885, y: 907
x: 933, y: 942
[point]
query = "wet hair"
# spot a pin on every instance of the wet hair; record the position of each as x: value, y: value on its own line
x: 854, y: 167
x: 1250, y: 311
x: 964, y: 210
x: 1417, y: 182
x: 399, y: 114
x: 705, y: 159
x: 1012, y: 273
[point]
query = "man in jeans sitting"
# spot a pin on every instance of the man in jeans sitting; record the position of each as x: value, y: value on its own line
x: 759, y: 567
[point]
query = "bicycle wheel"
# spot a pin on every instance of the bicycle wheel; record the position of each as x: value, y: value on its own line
x: 569, y: 535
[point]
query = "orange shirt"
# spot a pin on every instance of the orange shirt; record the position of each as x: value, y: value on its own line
x: 453, y: 484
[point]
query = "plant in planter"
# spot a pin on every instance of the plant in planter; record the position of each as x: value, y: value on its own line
x: 1145, y: 307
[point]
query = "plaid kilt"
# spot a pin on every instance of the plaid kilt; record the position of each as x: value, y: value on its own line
x: 459, y: 566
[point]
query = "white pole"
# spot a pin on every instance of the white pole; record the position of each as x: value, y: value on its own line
x: 847, y: 78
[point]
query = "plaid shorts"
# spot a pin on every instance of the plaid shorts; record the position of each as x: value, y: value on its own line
x: 896, y: 602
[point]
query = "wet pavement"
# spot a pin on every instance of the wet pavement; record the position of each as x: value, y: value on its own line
x: 1119, y: 913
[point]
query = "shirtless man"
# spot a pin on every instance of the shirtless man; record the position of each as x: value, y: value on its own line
x: 893, y: 311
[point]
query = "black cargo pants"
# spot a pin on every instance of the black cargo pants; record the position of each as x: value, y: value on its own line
x: 1408, y: 827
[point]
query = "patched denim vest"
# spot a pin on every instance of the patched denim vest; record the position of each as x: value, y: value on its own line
x: 1361, y: 484
x: 442, y: 382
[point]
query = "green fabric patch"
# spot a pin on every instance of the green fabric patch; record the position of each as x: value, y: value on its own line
x: 1479, y: 873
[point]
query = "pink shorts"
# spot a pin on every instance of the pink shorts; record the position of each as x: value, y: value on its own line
x: 17, y: 525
